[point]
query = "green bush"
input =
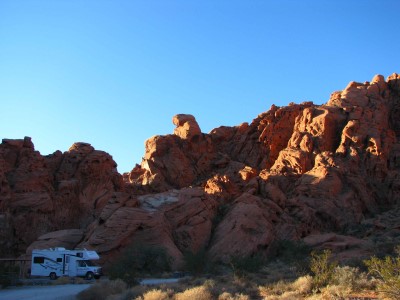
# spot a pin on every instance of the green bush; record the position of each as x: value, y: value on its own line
x: 322, y: 269
x: 388, y: 271
x: 143, y: 260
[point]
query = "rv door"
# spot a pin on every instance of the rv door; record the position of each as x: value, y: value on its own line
x: 71, y: 266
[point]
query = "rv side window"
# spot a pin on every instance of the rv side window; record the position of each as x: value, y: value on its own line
x: 38, y: 260
x: 81, y: 263
x: 59, y: 259
x: 79, y: 254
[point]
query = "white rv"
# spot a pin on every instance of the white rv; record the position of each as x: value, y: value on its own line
x: 56, y: 262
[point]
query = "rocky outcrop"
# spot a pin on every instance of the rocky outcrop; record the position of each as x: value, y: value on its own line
x: 301, y: 172
x: 40, y: 194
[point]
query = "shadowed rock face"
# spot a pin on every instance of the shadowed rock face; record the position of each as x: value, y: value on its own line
x: 303, y: 171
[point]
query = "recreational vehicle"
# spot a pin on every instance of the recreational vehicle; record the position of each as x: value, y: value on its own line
x: 56, y: 262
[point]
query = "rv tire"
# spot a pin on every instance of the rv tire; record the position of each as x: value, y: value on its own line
x: 89, y: 275
x: 53, y: 276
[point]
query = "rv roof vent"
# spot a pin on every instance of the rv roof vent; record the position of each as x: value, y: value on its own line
x: 59, y: 248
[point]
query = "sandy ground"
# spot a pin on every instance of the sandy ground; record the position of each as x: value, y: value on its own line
x: 58, y: 292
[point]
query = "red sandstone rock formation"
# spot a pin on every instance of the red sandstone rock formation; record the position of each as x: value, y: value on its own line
x: 303, y: 171
x: 40, y: 194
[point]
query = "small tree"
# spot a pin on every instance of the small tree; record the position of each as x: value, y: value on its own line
x: 322, y: 268
x: 388, y: 271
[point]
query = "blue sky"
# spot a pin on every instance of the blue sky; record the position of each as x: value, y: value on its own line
x: 114, y: 73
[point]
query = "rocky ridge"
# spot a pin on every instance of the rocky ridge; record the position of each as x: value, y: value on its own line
x: 318, y: 173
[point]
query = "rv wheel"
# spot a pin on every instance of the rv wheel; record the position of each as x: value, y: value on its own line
x: 89, y: 275
x: 53, y: 276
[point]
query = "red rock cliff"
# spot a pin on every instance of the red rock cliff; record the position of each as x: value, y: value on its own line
x: 295, y: 172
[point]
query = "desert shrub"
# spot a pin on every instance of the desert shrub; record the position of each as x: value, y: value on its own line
x: 303, y: 285
x: 388, y: 271
x: 154, y: 294
x: 335, y: 292
x: 195, y: 293
x: 209, y: 283
x: 351, y: 278
x: 140, y: 259
x: 229, y: 296
x: 225, y: 296
x: 102, y: 290
x: 287, y: 290
x: 321, y: 268
x: 276, y: 289
x: 288, y: 295
x: 241, y: 297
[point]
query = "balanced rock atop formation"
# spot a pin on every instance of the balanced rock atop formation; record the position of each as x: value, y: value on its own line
x: 325, y: 174
x: 186, y: 126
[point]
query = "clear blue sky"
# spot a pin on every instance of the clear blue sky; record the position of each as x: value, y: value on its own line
x: 114, y: 73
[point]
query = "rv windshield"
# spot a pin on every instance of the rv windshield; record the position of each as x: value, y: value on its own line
x: 90, y: 263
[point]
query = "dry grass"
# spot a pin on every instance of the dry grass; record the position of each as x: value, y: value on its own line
x: 336, y: 292
x: 195, y: 293
x: 154, y: 295
x: 289, y: 295
x: 284, y: 290
x: 277, y: 288
x: 229, y: 296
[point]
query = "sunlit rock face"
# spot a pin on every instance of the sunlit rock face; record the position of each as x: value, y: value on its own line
x: 304, y: 171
